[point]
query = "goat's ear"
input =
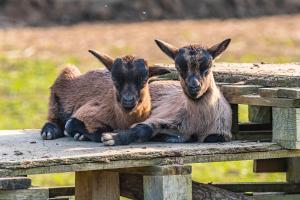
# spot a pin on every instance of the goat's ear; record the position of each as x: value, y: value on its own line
x: 217, y: 49
x: 105, y: 59
x: 167, y: 48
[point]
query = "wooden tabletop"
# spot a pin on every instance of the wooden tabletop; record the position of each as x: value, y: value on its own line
x: 269, y: 75
x: 24, y: 152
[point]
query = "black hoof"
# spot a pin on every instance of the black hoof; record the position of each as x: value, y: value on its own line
x: 51, y: 131
x: 76, y: 129
x: 214, y: 138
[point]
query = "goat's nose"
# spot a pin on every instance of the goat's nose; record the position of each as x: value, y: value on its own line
x: 194, y: 84
x: 128, y: 99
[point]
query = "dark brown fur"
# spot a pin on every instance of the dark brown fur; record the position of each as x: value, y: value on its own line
x: 91, y: 98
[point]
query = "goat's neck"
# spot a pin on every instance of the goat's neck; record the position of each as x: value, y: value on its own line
x: 141, y: 112
x: 206, y: 101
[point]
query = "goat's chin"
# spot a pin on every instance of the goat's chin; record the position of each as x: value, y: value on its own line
x: 194, y: 97
x: 128, y: 110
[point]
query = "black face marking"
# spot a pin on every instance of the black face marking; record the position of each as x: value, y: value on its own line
x: 130, y: 77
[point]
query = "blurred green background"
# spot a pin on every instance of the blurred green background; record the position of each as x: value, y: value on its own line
x: 31, y: 58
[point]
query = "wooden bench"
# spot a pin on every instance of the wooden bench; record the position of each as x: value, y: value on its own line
x: 161, y: 171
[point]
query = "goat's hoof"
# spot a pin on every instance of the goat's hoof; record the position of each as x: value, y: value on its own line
x: 50, y: 131
x: 174, y: 139
x: 74, y: 127
x: 109, y: 139
x: 80, y: 137
x: 214, y: 138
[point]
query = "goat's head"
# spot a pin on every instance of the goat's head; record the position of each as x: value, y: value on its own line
x: 130, y: 77
x: 194, y: 63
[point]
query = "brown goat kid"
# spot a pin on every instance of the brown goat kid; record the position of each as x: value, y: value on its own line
x: 85, y: 105
x: 193, y: 108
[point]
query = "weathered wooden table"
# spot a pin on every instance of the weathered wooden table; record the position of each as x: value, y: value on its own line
x: 160, y: 171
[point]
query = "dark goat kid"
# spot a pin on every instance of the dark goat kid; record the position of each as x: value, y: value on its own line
x: 193, y: 108
x: 85, y: 105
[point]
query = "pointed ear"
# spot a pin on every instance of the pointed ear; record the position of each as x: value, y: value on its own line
x: 105, y: 59
x: 168, y: 49
x: 217, y: 49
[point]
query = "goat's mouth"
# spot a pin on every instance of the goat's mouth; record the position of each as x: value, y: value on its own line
x: 128, y: 107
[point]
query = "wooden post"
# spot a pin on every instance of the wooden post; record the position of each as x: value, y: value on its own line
x: 163, y: 186
x: 293, y: 170
x: 235, y: 120
x: 97, y: 185
x: 286, y: 127
x: 168, y: 187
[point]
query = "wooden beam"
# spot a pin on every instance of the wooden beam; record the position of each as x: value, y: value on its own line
x: 268, y: 92
x: 239, y: 89
x: 293, y: 171
x: 25, y: 194
x: 97, y: 185
x: 283, y: 187
x: 14, y: 183
x: 167, y: 187
x: 267, y: 75
x: 286, y: 127
x: 158, y: 170
x: 260, y: 101
x: 235, y: 120
x: 132, y: 187
x: 61, y: 191
x: 270, y: 165
x: 291, y: 93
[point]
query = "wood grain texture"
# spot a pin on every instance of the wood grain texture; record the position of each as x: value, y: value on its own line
x: 239, y: 89
x: 293, y: 172
x: 25, y: 194
x: 97, y: 185
x: 14, y: 183
x: 286, y: 127
x: 65, y: 155
x: 168, y: 187
x: 268, y: 92
x: 267, y: 75
x: 291, y: 93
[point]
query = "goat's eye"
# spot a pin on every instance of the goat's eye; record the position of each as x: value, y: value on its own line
x: 204, y: 71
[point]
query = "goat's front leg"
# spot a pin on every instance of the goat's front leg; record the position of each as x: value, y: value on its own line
x: 143, y: 132
x: 87, y: 123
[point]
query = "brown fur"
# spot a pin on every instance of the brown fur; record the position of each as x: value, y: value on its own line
x: 91, y: 98
x: 178, y: 111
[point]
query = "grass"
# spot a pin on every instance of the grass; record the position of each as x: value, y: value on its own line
x: 29, y: 58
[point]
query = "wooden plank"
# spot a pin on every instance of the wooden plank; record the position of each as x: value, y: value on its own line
x: 25, y: 194
x: 286, y: 127
x: 65, y: 155
x: 131, y: 186
x: 61, y: 191
x: 293, y: 172
x: 267, y: 75
x: 97, y: 185
x: 268, y: 92
x: 168, y: 187
x: 14, y: 183
x: 254, y: 136
x: 291, y: 93
x: 158, y: 170
x: 239, y: 89
x: 270, y: 165
x: 251, y: 126
x: 288, y: 188
x: 260, y: 114
x: 260, y: 101
x: 276, y: 196
x: 235, y: 120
